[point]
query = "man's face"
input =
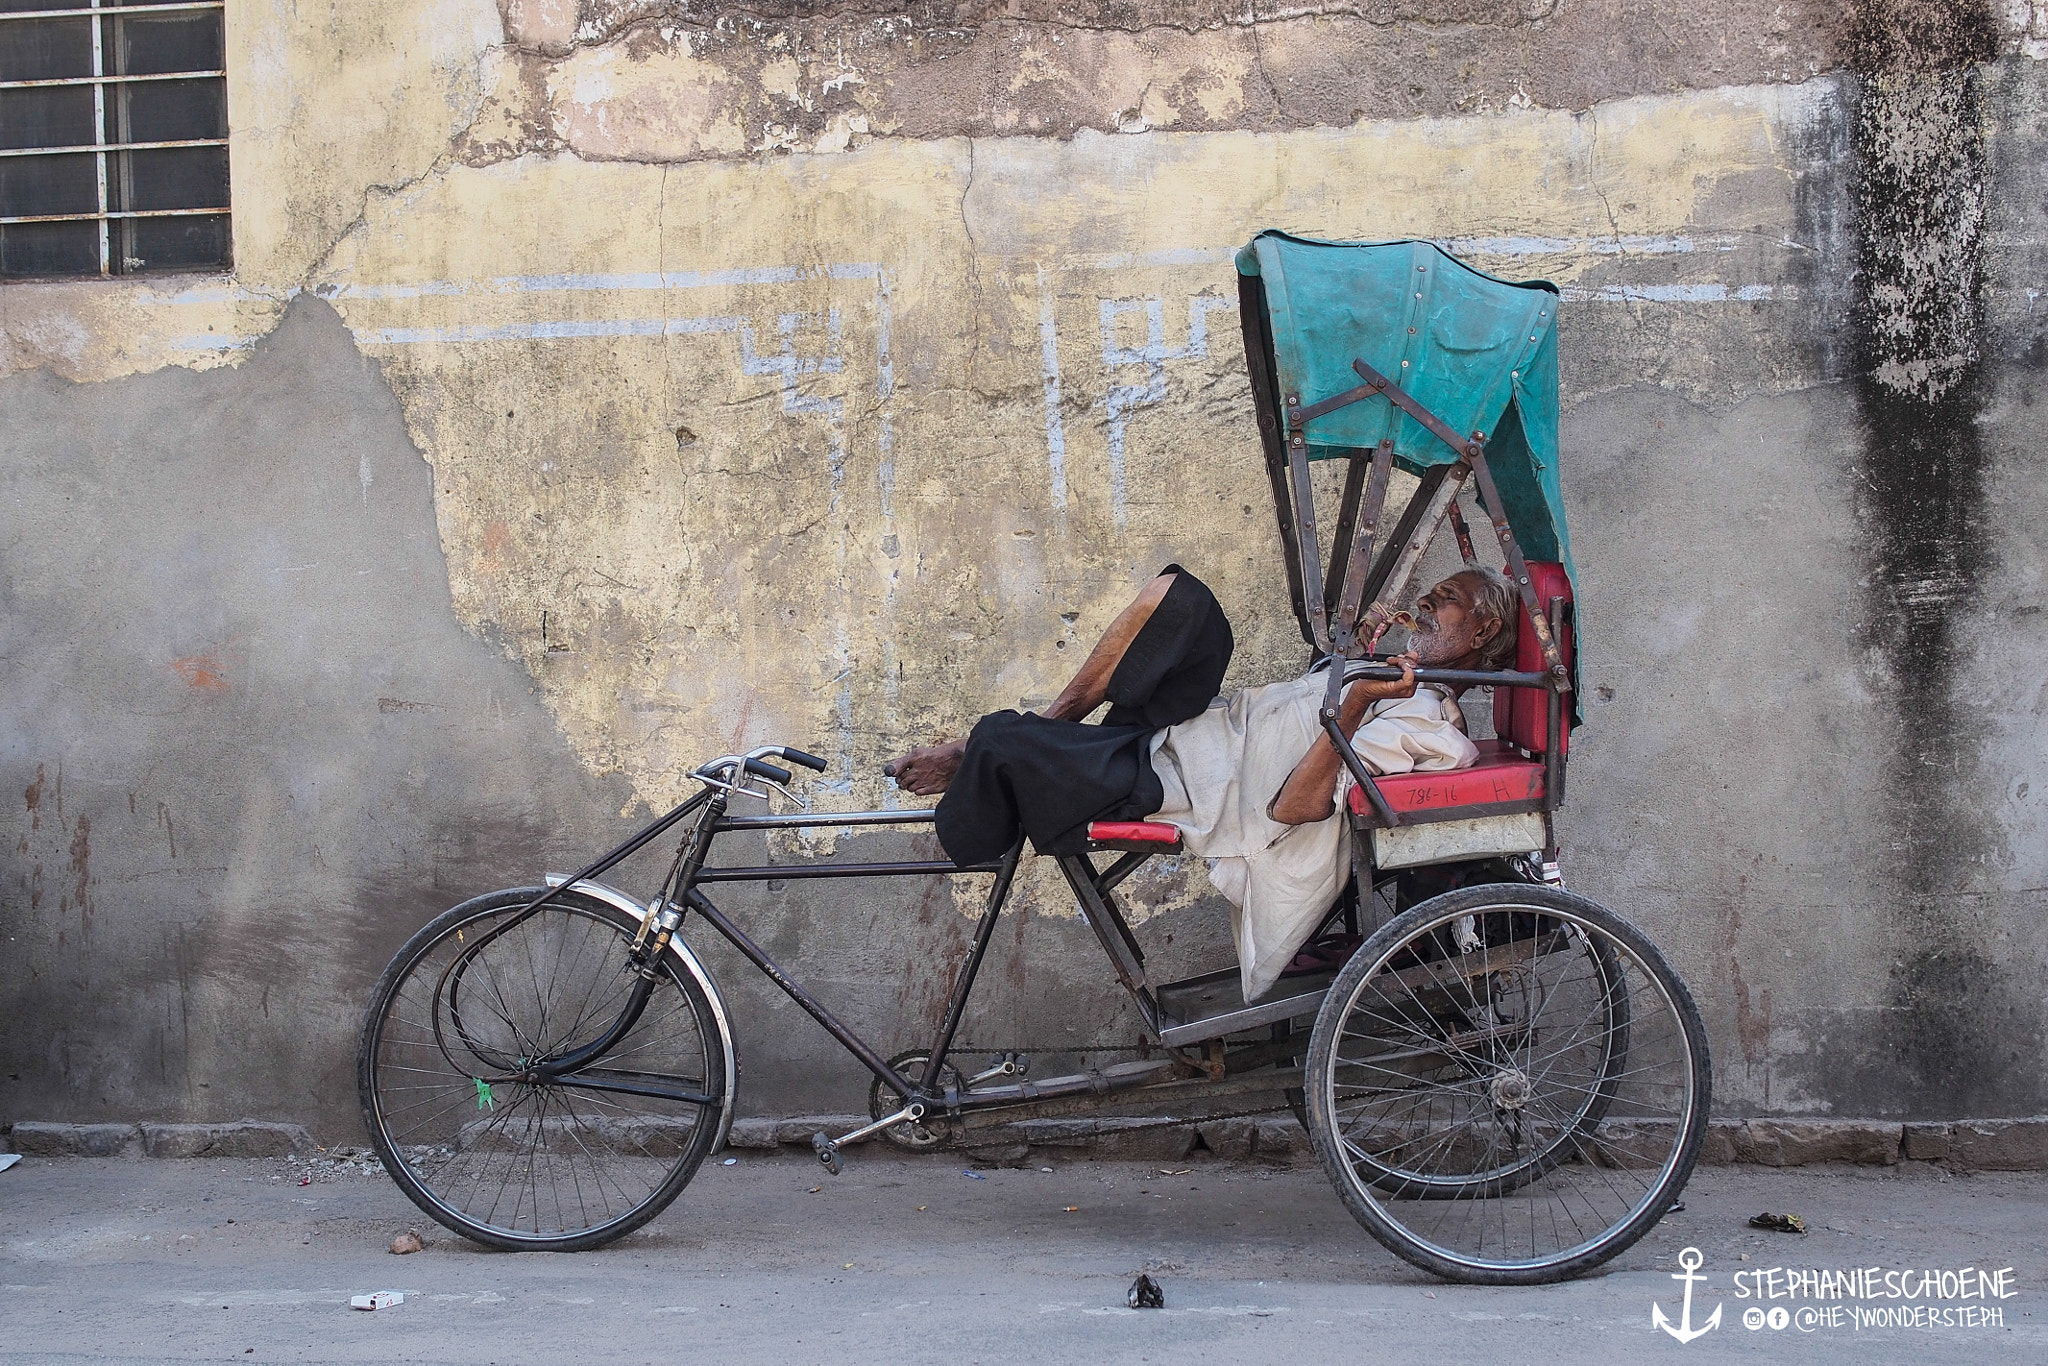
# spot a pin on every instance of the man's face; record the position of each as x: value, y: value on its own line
x: 1449, y: 630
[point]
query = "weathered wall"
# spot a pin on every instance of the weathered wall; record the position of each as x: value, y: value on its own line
x: 602, y: 389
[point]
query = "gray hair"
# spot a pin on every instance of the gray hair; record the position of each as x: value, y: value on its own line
x: 1496, y: 599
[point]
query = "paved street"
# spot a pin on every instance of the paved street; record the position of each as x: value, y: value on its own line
x: 911, y: 1259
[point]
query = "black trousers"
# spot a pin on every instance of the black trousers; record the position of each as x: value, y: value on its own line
x: 1050, y: 779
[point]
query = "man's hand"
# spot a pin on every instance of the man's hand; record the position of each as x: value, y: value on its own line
x: 1404, y: 686
x: 927, y: 771
x: 1308, y: 793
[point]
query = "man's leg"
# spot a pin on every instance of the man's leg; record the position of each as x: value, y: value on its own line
x: 927, y: 771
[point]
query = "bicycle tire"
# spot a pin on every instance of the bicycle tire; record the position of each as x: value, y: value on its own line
x: 482, y: 991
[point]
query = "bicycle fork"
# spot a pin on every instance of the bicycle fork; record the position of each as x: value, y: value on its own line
x: 664, y: 918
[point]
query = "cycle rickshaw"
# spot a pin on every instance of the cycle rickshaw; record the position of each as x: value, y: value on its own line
x: 1505, y: 1081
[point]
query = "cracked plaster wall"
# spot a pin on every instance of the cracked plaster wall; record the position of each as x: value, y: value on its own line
x: 820, y: 374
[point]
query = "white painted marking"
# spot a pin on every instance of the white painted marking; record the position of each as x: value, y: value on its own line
x: 1676, y: 294
x: 609, y: 282
x: 1055, y: 427
x: 212, y: 341
x: 1153, y: 355
x: 1177, y: 256
x: 1623, y: 245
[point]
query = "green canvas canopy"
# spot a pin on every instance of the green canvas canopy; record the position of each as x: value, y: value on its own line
x: 1478, y: 351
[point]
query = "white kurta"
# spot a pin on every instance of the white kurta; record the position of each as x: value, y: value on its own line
x: 1221, y: 770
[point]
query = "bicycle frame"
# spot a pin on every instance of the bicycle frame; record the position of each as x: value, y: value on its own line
x: 694, y: 874
x: 683, y: 891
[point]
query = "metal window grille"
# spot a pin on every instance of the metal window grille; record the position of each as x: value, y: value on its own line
x: 113, y: 138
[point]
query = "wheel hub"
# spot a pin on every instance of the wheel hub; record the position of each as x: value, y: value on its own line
x: 1510, y: 1088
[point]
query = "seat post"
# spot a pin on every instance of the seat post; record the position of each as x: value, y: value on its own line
x: 1117, y: 941
x: 957, y: 1006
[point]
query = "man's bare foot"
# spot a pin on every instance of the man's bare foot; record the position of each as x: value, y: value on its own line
x: 927, y: 771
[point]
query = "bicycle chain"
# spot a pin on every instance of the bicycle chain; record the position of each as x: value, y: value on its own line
x: 962, y: 1049
x: 1171, y: 1122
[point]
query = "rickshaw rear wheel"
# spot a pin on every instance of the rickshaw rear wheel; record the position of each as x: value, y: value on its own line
x: 1508, y: 1084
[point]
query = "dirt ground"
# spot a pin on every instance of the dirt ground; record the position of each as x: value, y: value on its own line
x: 925, y: 1259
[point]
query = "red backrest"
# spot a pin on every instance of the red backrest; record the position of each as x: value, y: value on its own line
x: 1521, y: 715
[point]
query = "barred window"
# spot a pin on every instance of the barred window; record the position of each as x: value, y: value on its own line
x: 113, y: 138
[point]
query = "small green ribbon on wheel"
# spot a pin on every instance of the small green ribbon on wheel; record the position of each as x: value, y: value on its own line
x: 484, y: 1096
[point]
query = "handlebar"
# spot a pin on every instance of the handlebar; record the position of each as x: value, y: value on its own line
x: 752, y: 764
x: 1463, y: 678
x: 768, y: 771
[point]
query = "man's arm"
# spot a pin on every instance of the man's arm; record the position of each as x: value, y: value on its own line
x: 1309, y: 792
x: 928, y: 771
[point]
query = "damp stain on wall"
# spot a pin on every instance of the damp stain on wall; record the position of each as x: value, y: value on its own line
x: 1919, y: 193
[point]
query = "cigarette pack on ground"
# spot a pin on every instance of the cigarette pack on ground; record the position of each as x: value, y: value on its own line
x: 379, y: 1299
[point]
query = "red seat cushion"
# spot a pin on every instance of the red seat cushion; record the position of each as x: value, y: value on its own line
x: 1135, y: 834
x: 1501, y: 775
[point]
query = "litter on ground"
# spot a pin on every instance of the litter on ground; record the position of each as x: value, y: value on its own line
x: 1780, y: 1223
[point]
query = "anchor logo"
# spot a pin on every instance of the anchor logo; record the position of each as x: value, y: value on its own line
x: 1690, y: 1259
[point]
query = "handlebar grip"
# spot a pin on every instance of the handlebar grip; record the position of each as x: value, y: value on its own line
x: 797, y: 756
x: 768, y: 771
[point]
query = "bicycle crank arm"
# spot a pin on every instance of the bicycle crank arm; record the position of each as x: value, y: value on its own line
x: 827, y: 1149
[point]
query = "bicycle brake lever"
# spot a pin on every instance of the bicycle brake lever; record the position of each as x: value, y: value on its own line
x: 799, y: 802
x: 744, y: 791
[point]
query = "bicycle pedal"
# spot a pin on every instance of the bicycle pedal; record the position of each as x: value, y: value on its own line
x: 828, y: 1153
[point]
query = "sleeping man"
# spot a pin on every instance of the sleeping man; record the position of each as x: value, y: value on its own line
x: 1251, y: 781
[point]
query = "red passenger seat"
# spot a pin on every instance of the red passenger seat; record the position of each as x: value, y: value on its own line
x: 1501, y: 775
x: 1523, y: 714
x: 1520, y: 718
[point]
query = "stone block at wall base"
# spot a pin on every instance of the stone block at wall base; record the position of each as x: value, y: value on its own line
x: 752, y: 1133
x: 1113, y: 1137
x: 998, y: 1152
x: 1282, y: 1139
x: 1108, y: 1138
x: 1966, y: 1145
x: 1717, y: 1149
x: 1987, y: 1145
x: 1799, y: 1142
x: 1230, y: 1139
x: 244, y: 1138
x: 32, y: 1138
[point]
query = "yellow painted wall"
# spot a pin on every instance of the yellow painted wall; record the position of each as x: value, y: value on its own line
x: 865, y: 533
x: 734, y: 445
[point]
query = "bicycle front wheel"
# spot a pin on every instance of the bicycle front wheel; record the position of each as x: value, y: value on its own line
x: 484, y: 995
x: 1508, y: 1085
